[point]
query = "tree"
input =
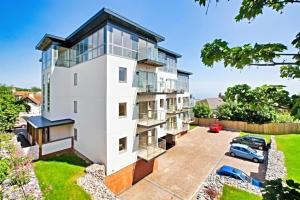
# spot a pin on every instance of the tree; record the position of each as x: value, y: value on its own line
x: 295, y: 110
x: 257, y: 54
x: 274, y: 96
x: 9, y: 108
x: 35, y: 89
x: 276, y: 189
x: 202, y: 110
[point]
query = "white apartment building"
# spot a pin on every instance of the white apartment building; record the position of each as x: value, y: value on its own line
x: 112, y: 94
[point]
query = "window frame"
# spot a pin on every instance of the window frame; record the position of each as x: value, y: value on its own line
x: 125, y: 144
x: 75, y: 134
x: 122, y: 103
x: 75, y: 79
x: 75, y: 106
x: 123, y: 81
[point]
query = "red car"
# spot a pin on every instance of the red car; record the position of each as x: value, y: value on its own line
x: 215, y: 128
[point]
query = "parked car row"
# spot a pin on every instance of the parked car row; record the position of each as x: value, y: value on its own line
x: 244, y: 147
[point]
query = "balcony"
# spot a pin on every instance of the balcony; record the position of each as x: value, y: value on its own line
x: 172, y: 109
x: 151, y: 118
x: 187, y: 104
x: 174, y: 129
x: 151, y: 151
x: 149, y: 56
x: 189, y: 118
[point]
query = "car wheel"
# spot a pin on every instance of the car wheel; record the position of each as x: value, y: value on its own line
x: 260, y: 148
x: 232, y: 154
x: 255, y: 160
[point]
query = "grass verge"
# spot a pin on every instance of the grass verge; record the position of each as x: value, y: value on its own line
x: 57, y: 177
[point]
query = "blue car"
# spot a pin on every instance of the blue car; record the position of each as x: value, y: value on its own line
x: 244, y: 151
x: 232, y: 172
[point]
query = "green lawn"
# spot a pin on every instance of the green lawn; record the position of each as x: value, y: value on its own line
x: 57, y: 177
x: 290, y: 145
x: 192, y: 126
x: 231, y: 193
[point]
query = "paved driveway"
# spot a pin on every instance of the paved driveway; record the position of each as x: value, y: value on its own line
x: 183, y: 168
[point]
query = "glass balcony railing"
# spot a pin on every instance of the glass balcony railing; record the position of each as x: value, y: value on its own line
x: 174, y: 129
x: 151, y: 118
x: 171, y: 108
x: 149, y: 56
x: 187, y: 104
x: 151, y: 151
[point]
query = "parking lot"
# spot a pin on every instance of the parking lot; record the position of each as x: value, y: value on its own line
x: 183, y: 168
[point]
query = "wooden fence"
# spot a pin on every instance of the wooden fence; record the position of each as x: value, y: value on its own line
x: 270, y: 128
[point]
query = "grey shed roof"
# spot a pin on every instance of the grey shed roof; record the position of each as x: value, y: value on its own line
x: 41, y: 122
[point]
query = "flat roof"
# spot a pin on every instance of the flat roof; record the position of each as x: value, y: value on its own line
x: 167, y: 51
x: 184, y: 72
x: 41, y: 122
x: 103, y: 16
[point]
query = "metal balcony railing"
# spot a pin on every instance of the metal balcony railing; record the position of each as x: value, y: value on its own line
x: 151, y: 151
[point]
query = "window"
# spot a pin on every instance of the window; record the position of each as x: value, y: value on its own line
x: 75, y: 106
x: 48, y: 92
x: 122, y: 109
x: 122, y: 144
x: 161, y: 103
x: 179, y: 99
x: 122, y: 74
x: 75, y: 134
x: 75, y: 79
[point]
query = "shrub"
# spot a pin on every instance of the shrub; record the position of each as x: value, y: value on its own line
x: 202, y: 110
x: 3, y: 170
x: 247, y: 113
x: 284, y: 117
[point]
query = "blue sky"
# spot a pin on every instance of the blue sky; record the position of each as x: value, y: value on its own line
x: 184, y: 24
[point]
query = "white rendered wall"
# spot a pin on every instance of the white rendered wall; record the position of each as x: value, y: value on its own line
x: 90, y: 119
x: 56, y: 146
x: 119, y: 127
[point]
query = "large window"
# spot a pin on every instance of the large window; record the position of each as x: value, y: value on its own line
x: 183, y: 82
x: 122, y: 43
x: 88, y: 48
x: 170, y: 61
x: 47, y: 58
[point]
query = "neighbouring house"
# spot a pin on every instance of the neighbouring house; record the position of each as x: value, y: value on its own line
x: 32, y: 100
x: 113, y: 95
x: 213, y: 103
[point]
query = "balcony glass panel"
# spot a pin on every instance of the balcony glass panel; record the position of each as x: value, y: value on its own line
x: 148, y: 53
x: 149, y: 146
x: 146, y: 81
x: 151, y: 118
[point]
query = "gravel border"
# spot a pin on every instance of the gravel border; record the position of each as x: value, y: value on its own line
x: 93, y: 183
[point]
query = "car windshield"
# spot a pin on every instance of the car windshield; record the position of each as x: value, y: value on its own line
x: 243, y: 176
